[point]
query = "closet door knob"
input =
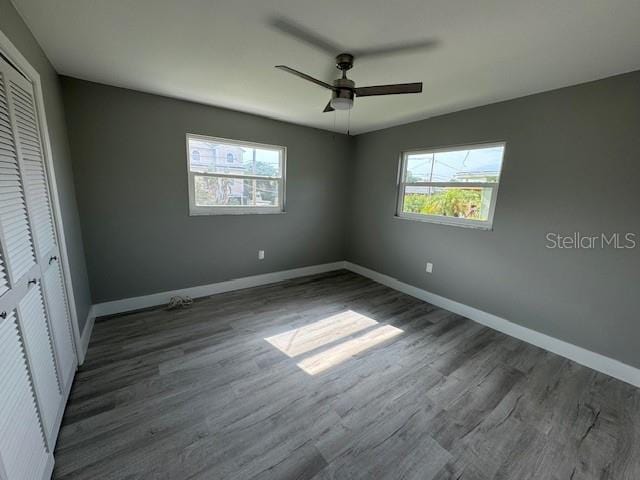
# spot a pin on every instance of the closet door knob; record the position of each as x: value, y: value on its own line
x: 33, y: 281
x: 52, y: 259
x: 3, y: 315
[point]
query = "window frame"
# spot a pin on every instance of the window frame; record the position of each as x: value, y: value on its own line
x: 440, y: 219
x: 198, y: 210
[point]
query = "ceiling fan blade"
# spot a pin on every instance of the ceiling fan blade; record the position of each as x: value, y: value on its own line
x: 405, y: 47
x: 328, y: 108
x: 305, y: 35
x: 305, y: 76
x: 389, y: 89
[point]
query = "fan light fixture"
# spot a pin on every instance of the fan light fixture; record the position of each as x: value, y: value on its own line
x: 339, y: 103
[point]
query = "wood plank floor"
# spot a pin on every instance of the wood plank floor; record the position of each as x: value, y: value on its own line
x: 336, y: 377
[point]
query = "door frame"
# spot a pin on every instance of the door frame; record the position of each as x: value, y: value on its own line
x: 18, y: 60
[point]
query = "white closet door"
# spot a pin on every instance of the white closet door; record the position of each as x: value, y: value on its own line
x: 38, y: 202
x: 33, y: 172
x: 16, y: 242
x: 60, y: 322
x: 39, y: 348
x: 24, y: 454
x: 32, y: 288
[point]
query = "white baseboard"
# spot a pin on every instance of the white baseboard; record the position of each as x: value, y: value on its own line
x: 162, y: 298
x: 86, y: 335
x: 596, y: 361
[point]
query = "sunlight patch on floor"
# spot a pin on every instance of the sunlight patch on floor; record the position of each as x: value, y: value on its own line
x: 329, y: 332
x: 304, y: 339
x: 334, y: 356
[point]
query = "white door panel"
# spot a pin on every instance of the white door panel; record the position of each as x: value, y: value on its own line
x: 24, y: 454
x: 17, y: 242
x: 37, y: 355
x: 39, y: 348
x: 59, y: 321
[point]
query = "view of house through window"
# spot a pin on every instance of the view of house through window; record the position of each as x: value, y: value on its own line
x: 228, y: 176
x: 456, y: 186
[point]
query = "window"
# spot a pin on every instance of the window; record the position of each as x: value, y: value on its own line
x: 232, y: 177
x: 456, y: 186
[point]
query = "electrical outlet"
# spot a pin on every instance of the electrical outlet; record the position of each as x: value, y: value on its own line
x: 429, y: 268
x: 260, y: 254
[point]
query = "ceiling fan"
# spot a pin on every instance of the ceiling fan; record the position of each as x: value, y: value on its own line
x: 344, y: 90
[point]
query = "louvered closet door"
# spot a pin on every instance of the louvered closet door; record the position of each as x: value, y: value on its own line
x: 34, y: 177
x: 17, y: 242
x: 53, y: 284
x: 32, y: 291
x: 38, y: 345
x: 22, y: 105
x: 23, y: 451
x: 22, y: 447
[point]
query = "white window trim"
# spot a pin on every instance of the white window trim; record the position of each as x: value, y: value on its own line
x: 453, y: 221
x: 196, y: 210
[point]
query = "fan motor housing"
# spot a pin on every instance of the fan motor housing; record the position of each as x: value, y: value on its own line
x: 344, y: 88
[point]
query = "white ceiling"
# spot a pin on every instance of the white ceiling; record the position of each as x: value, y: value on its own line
x: 222, y: 52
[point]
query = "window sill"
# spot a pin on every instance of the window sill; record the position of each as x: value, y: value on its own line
x: 234, y: 213
x: 445, y: 222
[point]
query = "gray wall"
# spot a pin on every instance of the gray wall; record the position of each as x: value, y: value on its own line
x: 130, y: 164
x: 13, y: 27
x: 572, y: 164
